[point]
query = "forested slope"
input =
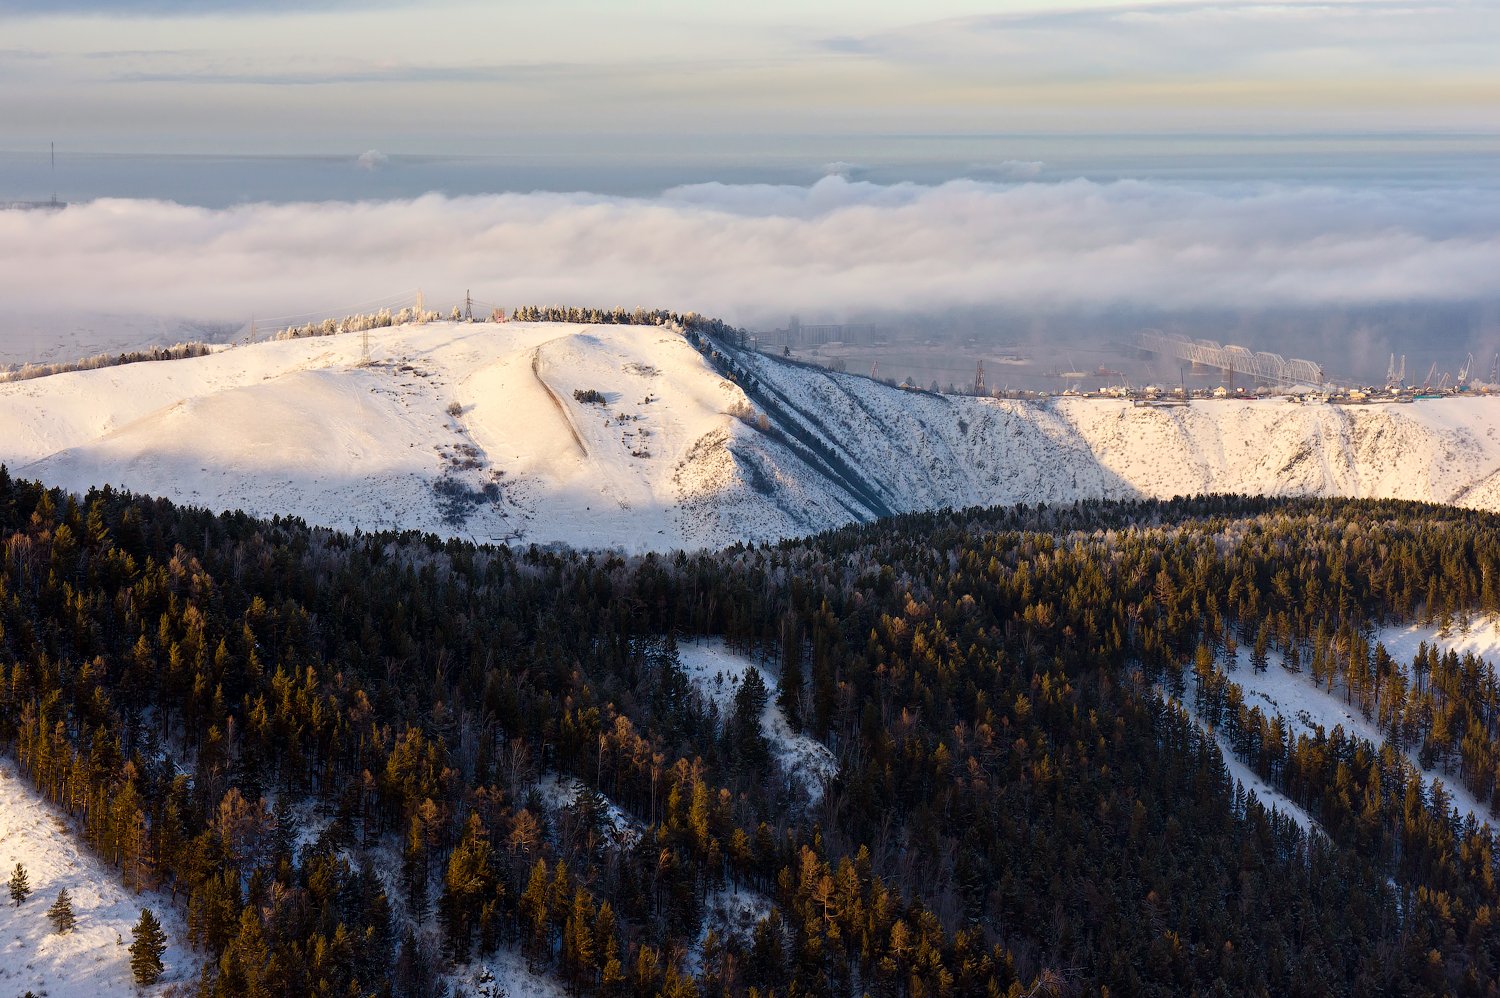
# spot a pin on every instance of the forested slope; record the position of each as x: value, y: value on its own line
x: 334, y: 748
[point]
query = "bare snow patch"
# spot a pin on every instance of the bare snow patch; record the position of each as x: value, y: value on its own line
x: 1466, y: 635
x: 729, y: 914
x: 718, y: 671
x: 504, y: 975
x: 560, y: 792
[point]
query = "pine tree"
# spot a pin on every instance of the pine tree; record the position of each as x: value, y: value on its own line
x: 148, y: 944
x: 20, y: 885
x: 468, y: 883
x: 534, y: 908
x: 61, y: 913
x: 243, y: 967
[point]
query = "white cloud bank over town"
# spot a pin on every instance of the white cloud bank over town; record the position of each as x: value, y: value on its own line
x: 754, y: 253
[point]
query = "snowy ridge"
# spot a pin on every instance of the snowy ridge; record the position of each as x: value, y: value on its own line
x: 626, y: 437
x: 92, y: 961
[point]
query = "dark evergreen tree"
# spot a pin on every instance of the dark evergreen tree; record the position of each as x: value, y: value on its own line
x: 20, y: 885
x: 61, y: 913
x: 148, y: 944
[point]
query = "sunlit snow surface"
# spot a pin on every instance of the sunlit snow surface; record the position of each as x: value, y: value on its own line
x: 92, y: 961
x: 1481, y: 637
x: 676, y: 455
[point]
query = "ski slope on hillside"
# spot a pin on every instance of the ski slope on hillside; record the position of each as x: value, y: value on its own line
x: 626, y: 437
x: 92, y: 961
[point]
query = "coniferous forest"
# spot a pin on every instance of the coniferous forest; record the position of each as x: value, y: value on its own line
x: 1027, y: 799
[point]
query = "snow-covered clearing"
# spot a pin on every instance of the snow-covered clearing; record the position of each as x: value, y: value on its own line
x: 1479, y: 636
x: 560, y: 792
x: 92, y: 961
x: 1249, y: 780
x: 718, y: 671
x: 675, y: 455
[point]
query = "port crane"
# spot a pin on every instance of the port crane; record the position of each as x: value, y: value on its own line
x: 1395, y: 376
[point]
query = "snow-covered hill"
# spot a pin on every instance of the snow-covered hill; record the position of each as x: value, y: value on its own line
x: 476, y: 431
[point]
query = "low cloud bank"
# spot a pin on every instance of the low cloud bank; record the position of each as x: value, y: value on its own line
x: 753, y: 253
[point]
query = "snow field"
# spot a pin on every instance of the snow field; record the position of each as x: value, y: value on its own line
x: 504, y: 974
x: 1481, y: 638
x: 674, y: 455
x: 728, y: 914
x: 92, y: 961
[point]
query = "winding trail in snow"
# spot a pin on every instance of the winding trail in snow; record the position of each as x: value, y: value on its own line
x: 562, y: 410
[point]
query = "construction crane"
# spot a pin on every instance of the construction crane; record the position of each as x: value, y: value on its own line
x: 1463, y: 373
x: 1431, y: 373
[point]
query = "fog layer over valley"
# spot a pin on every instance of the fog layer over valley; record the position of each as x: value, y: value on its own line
x: 752, y: 253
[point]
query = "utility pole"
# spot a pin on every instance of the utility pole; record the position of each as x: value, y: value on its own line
x: 468, y: 306
x: 252, y: 329
x: 979, y: 377
x: 421, y: 309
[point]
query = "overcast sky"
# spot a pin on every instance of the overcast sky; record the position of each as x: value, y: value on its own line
x: 284, y: 76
